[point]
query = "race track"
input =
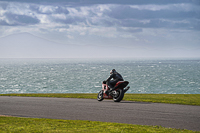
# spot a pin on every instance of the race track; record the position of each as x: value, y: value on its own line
x: 166, y: 115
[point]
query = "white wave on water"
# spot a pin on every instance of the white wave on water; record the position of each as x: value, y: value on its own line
x: 97, y: 86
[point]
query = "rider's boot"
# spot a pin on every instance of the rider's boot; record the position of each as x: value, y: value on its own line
x: 107, y: 92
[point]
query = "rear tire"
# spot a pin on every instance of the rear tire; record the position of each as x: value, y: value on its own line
x: 119, y: 96
x: 100, y: 96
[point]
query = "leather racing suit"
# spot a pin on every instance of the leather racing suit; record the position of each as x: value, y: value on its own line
x: 116, y: 77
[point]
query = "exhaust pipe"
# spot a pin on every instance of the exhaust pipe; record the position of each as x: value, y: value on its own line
x: 126, y: 89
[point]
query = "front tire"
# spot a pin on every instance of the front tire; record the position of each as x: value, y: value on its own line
x: 100, y: 96
x: 119, y: 95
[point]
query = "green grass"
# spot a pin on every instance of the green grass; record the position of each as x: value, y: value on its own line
x: 41, y: 125
x: 186, y: 99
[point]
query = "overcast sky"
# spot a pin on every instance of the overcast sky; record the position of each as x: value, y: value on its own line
x: 122, y: 23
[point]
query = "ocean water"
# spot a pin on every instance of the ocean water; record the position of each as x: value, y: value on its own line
x: 86, y: 75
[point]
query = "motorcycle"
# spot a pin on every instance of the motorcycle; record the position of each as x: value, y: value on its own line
x: 117, y: 94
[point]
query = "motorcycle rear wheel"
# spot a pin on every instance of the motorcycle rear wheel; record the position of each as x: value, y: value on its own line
x: 100, y: 96
x: 119, y: 96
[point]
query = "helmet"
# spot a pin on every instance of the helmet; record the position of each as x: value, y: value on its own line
x: 112, y: 71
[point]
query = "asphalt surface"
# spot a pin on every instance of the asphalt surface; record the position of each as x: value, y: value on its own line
x: 166, y: 115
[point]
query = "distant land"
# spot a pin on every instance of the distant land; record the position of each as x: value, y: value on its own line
x: 26, y: 45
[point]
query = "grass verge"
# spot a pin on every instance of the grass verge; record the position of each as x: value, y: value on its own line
x: 186, y: 99
x: 24, y: 125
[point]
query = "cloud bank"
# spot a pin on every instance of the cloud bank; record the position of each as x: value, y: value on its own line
x: 131, y: 24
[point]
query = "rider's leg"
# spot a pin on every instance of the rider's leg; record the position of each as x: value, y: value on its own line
x: 112, y: 85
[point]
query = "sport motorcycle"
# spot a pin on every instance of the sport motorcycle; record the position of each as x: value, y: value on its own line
x: 117, y: 94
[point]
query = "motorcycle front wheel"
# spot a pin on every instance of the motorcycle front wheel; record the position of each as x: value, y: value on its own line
x: 100, y: 96
x: 119, y: 95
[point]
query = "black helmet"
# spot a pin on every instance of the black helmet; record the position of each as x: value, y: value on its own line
x: 112, y: 71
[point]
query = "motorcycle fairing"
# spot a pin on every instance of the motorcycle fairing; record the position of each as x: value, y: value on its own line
x: 121, y: 84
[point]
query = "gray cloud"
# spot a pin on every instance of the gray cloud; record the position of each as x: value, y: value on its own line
x: 48, y: 9
x: 132, y: 30
x: 145, y: 16
x: 119, y: 12
x: 18, y: 20
x: 111, y: 22
x: 124, y: 2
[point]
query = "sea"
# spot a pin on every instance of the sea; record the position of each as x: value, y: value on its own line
x: 147, y: 76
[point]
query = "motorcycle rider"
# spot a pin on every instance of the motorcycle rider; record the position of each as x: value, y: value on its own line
x: 116, y: 77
